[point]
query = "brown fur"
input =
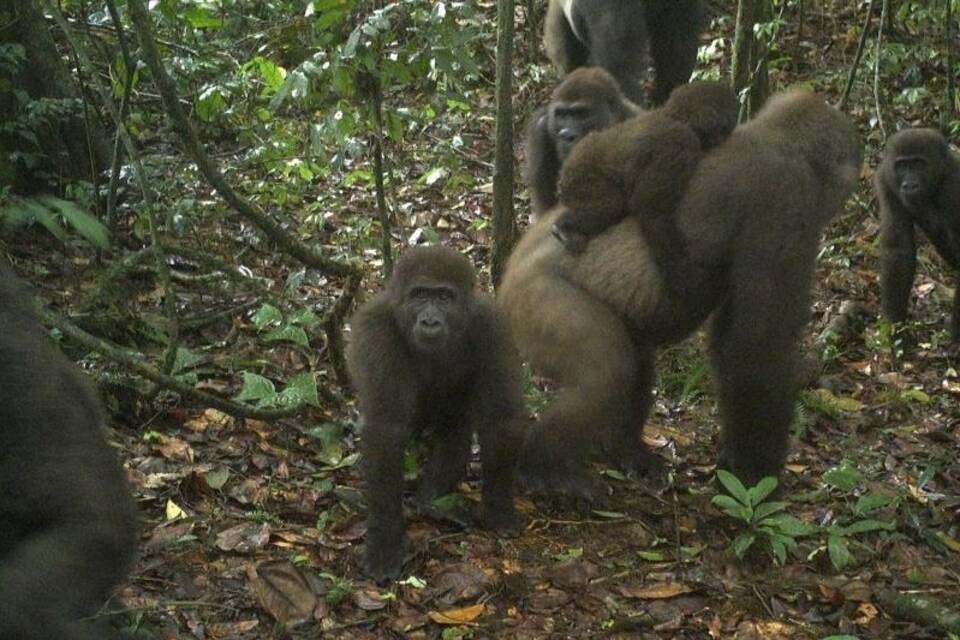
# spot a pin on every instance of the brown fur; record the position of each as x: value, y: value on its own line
x: 446, y: 388
x: 750, y: 220
x: 67, y: 522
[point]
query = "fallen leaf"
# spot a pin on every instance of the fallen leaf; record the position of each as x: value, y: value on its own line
x: 658, y: 591
x: 244, y: 538
x: 283, y: 591
x: 456, y: 616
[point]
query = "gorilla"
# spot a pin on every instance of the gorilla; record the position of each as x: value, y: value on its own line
x: 68, y: 531
x: 613, y: 33
x: 749, y: 220
x: 430, y: 356
x: 641, y: 165
x: 588, y: 99
x: 917, y: 183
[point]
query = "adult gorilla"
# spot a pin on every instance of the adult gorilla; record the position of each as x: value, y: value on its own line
x: 613, y: 34
x: 750, y: 220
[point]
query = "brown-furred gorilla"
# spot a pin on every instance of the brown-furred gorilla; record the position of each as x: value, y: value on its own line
x: 641, y: 166
x: 750, y: 221
x: 430, y: 356
x: 67, y: 522
x: 588, y: 99
x: 613, y: 34
x: 917, y: 184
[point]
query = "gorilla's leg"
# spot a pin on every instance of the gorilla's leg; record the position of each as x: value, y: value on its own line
x: 955, y: 315
x: 626, y: 449
x: 447, y: 460
x: 564, y: 49
x: 591, y: 355
x: 617, y: 45
x: 754, y: 356
x: 674, y: 29
x: 384, y: 443
x: 500, y: 442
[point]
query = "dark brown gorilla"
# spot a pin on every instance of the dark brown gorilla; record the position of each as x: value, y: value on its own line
x: 918, y: 183
x: 750, y: 221
x: 430, y: 356
x: 67, y: 524
x: 613, y: 35
x: 641, y: 166
x: 588, y: 99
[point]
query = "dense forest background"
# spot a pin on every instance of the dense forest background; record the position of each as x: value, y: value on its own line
x: 201, y: 192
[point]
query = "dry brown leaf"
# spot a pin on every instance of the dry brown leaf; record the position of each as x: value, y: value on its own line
x: 867, y: 614
x: 174, y: 449
x: 283, y: 591
x: 457, y: 616
x: 244, y: 538
x: 658, y: 591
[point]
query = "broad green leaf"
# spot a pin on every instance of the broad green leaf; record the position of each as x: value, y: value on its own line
x: 914, y: 395
x: 779, y: 551
x: 302, y: 389
x: 185, y: 359
x: 734, y: 486
x: 743, y: 542
x: 200, y: 18
x: 845, y: 478
x: 763, y: 489
x: 289, y: 333
x: 767, y: 509
x: 788, y: 525
x: 870, y: 502
x: 85, y: 224
x: 865, y: 526
x: 839, y: 552
x: 256, y: 387
x: 651, y: 556
x: 267, y: 315
x: 304, y: 317
x: 731, y: 507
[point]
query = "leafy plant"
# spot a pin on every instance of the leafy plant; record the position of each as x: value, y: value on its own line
x: 57, y: 216
x: 761, y: 520
x: 840, y: 535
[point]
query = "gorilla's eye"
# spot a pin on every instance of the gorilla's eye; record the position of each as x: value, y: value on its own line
x: 446, y: 295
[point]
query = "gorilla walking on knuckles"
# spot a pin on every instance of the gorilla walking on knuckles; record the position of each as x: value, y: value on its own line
x: 917, y: 184
x: 750, y: 220
x: 613, y: 34
x: 429, y: 355
x: 67, y: 523
x: 588, y: 99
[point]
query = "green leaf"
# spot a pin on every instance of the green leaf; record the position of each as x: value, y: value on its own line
x: 289, y: 333
x: 763, y: 489
x: 788, y: 525
x: 767, y: 509
x: 914, y: 395
x: 731, y: 507
x: 302, y: 389
x: 845, y: 478
x: 256, y: 387
x: 608, y: 515
x: 200, y: 18
x: 85, y: 224
x: 733, y: 486
x: 651, y: 556
x: 779, y: 551
x: 870, y: 502
x: 267, y: 315
x: 865, y: 526
x: 185, y: 359
x: 839, y: 552
x: 305, y: 318
x: 743, y: 542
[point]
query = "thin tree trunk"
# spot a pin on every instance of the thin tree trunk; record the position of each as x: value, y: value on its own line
x: 949, y: 110
x: 749, y: 67
x: 864, y: 33
x: 386, y: 226
x: 884, y: 11
x: 504, y: 225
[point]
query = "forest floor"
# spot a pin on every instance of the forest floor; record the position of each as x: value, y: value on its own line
x: 246, y: 523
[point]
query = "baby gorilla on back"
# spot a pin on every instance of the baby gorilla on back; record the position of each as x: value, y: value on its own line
x: 430, y: 356
x: 641, y: 166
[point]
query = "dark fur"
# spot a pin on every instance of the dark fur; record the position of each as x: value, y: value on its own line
x: 917, y: 184
x: 613, y: 35
x: 641, y: 166
x: 750, y: 220
x: 468, y: 382
x: 587, y: 100
x: 67, y: 523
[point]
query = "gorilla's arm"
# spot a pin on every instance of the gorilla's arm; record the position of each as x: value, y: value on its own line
x: 543, y: 164
x: 495, y: 406
x: 898, y: 251
x: 385, y: 385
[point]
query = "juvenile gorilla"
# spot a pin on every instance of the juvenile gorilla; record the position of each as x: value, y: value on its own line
x: 750, y: 221
x: 67, y: 523
x: 613, y: 35
x: 642, y: 165
x: 918, y: 183
x: 588, y: 99
x: 430, y: 355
